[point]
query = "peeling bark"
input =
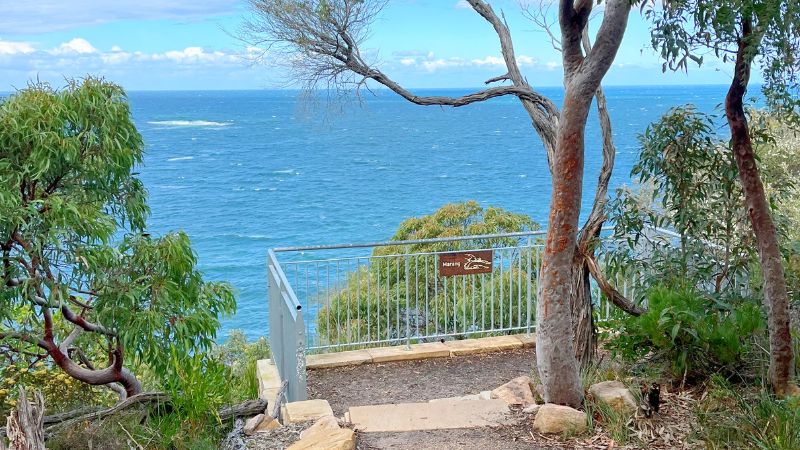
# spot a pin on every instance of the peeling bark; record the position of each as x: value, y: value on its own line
x: 25, y: 424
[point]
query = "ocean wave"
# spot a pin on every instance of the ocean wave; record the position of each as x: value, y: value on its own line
x: 189, y: 123
x: 181, y: 158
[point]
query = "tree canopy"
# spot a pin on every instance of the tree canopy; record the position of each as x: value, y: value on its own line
x: 84, y: 284
x: 687, y: 31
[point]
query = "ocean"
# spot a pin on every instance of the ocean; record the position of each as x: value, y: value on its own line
x: 244, y: 171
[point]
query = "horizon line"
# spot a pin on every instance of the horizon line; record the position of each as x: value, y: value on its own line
x: 385, y: 89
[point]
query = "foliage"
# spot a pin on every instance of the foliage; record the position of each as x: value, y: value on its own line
x: 732, y: 417
x: 61, y: 392
x: 121, y: 431
x: 199, y: 385
x: 400, y: 296
x: 688, y: 183
x: 241, y: 357
x: 698, y: 336
x: 768, y: 31
x: 75, y: 253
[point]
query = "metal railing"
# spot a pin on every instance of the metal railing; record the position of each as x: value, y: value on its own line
x: 391, y: 293
x: 348, y: 296
x: 287, y: 333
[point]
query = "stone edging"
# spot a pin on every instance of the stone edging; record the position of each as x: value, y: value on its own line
x: 420, y: 351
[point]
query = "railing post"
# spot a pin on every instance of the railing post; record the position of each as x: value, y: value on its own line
x: 408, y: 308
x: 301, y: 390
x: 287, y: 340
x: 528, y: 285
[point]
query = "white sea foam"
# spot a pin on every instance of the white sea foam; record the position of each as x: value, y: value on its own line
x: 181, y: 158
x: 189, y: 123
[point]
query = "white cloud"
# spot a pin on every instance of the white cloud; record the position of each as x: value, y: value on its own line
x: 78, y: 46
x: 436, y: 64
x: 42, y: 16
x: 194, y: 55
x: 15, y: 47
x: 77, y: 57
x: 489, y: 61
x: 462, y: 4
x: 430, y: 63
x: 116, y: 56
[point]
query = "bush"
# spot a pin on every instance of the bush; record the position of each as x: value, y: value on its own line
x: 696, y: 335
x: 241, y: 357
x: 400, y: 295
x: 61, y: 392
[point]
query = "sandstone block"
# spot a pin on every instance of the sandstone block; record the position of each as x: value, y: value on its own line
x: 558, y: 419
x: 516, y: 392
x: 614, y: 394
x: 326, y: 439
x: 323, y: 423
x: 305, y: 411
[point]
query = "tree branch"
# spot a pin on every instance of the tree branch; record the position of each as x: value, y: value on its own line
x: 503, y: 77
x: 615, y: 296
x: 607, y: 42
x: 542, y: 111
x: 573, y: 17
x: 25, y: 338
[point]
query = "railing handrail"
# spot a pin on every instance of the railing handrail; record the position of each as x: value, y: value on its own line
x: 295, y: 303
x: 409, y: 242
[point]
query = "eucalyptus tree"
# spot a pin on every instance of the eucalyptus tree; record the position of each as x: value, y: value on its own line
x: 83, y: 285
x: 746, y: 32
x: 321, y: 42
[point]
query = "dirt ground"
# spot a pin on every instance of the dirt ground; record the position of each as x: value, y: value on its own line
x: 417, y: 381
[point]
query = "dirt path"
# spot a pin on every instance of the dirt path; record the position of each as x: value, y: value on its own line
x: 417, y: 381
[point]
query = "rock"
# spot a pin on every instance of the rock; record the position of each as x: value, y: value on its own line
x: 267, y: 424
x: 252, y: 424
x: 516, y: 392
x: 322, y: 439
x: 323, y: 423
x: 532, y: 409
x: 305, y: 411
x: 553, y: 418
x: 614, y: 394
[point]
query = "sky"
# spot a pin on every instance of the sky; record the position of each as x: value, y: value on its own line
x: 195, y: 45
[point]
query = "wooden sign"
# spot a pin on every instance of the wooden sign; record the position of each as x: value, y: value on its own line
x: 465, y: 263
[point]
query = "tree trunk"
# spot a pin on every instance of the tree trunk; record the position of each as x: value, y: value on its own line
x: 557, y: 366
x: 582, y: 308
x: 25, y: 424
x: 776, y: 298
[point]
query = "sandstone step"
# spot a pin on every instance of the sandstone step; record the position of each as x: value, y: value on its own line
x: 443, y: 414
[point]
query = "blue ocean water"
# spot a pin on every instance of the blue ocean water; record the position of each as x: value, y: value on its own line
x: 243, y: 171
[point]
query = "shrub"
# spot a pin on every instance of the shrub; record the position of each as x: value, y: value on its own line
x: 241, y: 357
x: 61, y: 392
x: 696, y: 335
x: 400, y: 295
